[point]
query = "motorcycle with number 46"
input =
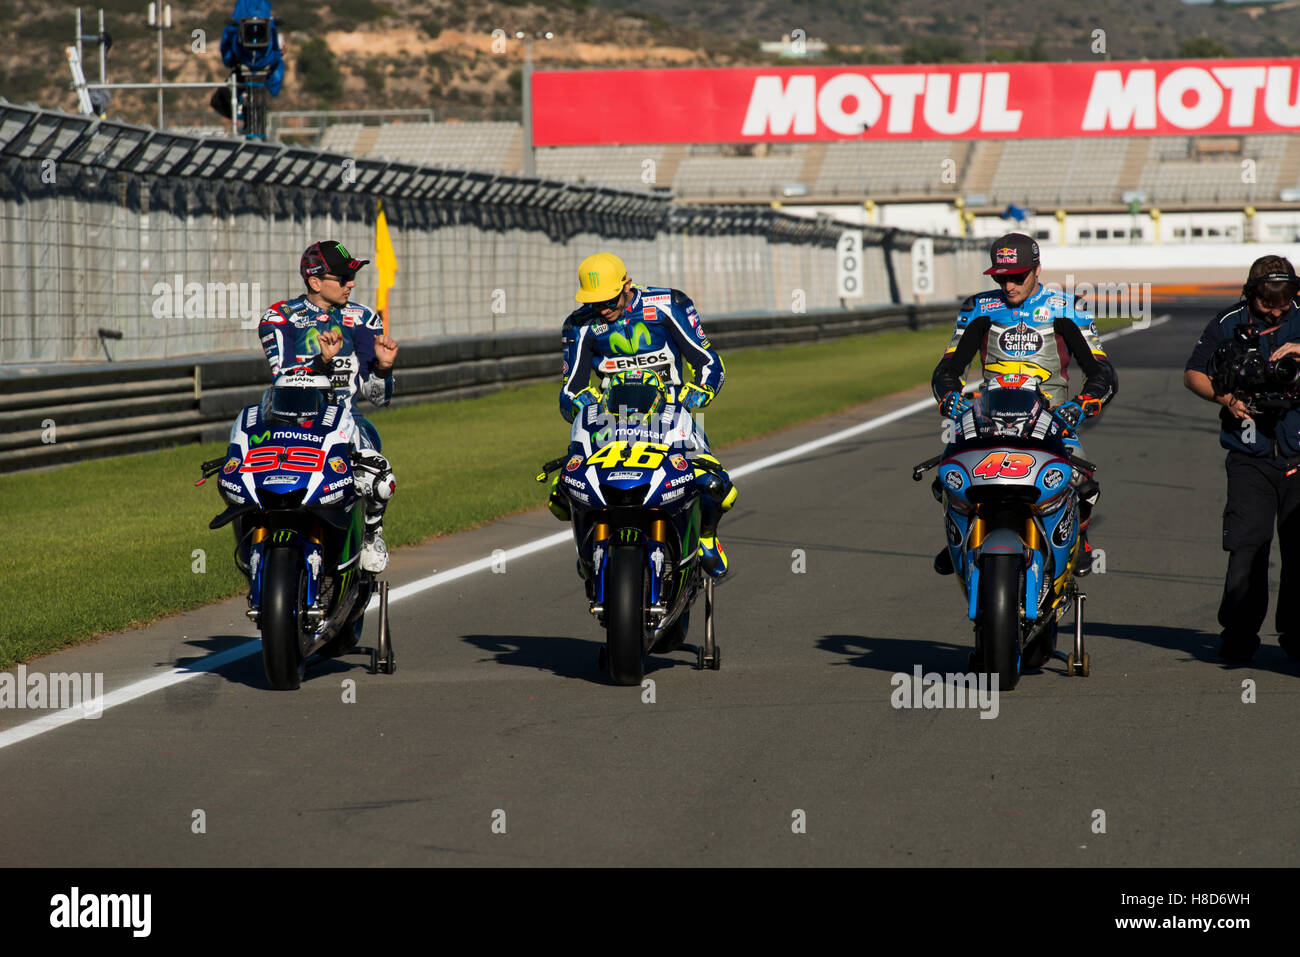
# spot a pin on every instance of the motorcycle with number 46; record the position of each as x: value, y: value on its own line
x: 635, y: 507
x: 289, y: 486
x: 1009, y: 487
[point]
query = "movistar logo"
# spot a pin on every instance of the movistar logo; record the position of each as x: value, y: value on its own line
x: 620, y: 343
x: 313, y: 338
x: 259, y: 439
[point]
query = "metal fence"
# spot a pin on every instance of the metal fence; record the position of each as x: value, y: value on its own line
x: 175, y: 245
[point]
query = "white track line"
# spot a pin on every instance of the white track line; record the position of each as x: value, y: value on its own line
x: 145, y: 686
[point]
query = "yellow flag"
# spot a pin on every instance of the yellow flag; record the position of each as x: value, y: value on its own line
x: 386, y: 263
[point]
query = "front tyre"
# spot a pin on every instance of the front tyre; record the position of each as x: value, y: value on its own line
x: 1001, y: 578
x: 281, y: 584
x: 627, y: 580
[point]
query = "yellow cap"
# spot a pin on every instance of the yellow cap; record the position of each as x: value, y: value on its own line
x: 600, y: 278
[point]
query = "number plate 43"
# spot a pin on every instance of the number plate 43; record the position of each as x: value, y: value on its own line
x: 1004, y: 465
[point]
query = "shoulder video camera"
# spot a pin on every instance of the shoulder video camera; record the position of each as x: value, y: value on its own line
x: 1239, y: 367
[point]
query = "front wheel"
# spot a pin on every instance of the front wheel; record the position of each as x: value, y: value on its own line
x: 281, y: 584
x: 626, y: 584
x: 1001, y: 578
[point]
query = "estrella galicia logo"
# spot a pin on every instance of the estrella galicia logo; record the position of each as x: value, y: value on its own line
x: 1053, y: 478
x: 954, y: 480
x: 1020, y: 341
x: 1064, y: 528
x: 259, y: 439
x: 954, y: 533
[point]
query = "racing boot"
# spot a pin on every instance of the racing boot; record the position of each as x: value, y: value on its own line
x: 1089, y: 492
x: 558, y: 502
x: 376, y: 483
x: 943, y: 562
x: 718, y: 495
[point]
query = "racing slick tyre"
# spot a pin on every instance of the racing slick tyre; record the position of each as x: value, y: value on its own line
x: 1000, y: 590
x: 626, y: 585
x: 282, y: 583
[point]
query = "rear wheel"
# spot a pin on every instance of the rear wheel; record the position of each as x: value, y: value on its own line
x: 627, y: 580
x: 1001, y: 586
x: 281, y: 585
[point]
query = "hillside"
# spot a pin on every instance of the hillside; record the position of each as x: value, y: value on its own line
x: 358, y: 54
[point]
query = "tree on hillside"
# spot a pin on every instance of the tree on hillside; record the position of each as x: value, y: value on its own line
x: 318, y: 70
x: 1196, y: 48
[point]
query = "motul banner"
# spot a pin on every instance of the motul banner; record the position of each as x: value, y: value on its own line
x: 1003, y: 101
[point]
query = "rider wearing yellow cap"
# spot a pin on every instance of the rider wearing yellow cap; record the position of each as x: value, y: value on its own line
x: 621, y: 326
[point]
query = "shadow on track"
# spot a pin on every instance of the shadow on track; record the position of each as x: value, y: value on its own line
x: 896, y: 654
x: 248, y: 669
x: 563, y: 655
x: 1200, y: 645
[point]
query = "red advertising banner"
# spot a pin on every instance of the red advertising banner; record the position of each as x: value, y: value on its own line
x: 970, y: 101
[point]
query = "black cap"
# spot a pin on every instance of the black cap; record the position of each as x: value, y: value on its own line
x: 1012, y: 253
x: 330, y: 257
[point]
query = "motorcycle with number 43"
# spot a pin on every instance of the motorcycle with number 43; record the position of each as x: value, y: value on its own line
x: 289, y: 486
x: 635, y: 507
x: 1009, y: 487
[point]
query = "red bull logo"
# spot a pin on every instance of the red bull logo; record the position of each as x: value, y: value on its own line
x: 1007, y: 256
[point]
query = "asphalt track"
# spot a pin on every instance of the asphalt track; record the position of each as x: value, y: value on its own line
x: 497, y: 714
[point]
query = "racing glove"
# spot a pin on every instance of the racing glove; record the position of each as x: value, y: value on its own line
x: 588, y: 396
x: 695, y: 396
x: 954, y: 405
x: 1070, y: 413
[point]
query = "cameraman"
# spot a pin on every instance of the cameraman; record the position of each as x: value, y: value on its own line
x: 1263, y: 462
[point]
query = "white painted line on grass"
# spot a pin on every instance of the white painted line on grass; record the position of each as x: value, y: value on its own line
x: 145, y: 686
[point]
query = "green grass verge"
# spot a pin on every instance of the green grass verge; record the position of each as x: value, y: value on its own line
x: 111, y: 544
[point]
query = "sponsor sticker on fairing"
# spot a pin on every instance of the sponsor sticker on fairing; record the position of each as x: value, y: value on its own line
x: 338, y: 465
x: 678, y: 461
x: 1053, y: 478
x: 232, y: 463
x: 622, y: 476
x: 574, y: 463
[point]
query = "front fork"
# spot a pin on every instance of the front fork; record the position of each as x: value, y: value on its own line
x: 312, y: 556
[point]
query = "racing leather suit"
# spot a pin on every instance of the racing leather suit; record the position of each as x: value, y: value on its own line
x: 660, y: 330
x: 290, y: 333
x: 1037, y: 337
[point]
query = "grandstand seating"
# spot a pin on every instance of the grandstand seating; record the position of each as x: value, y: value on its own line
x: 1038, y: 173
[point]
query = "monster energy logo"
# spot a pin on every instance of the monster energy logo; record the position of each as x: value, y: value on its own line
x: 342, y: 252
x: 593, y: 277
x: 620, y: 343
x: 629, y: 534
x: 282, y: 536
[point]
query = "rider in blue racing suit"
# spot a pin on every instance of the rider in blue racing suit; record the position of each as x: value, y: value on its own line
x: 323, y: 332
x: 621, y: 326
x: 1026, y: 327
